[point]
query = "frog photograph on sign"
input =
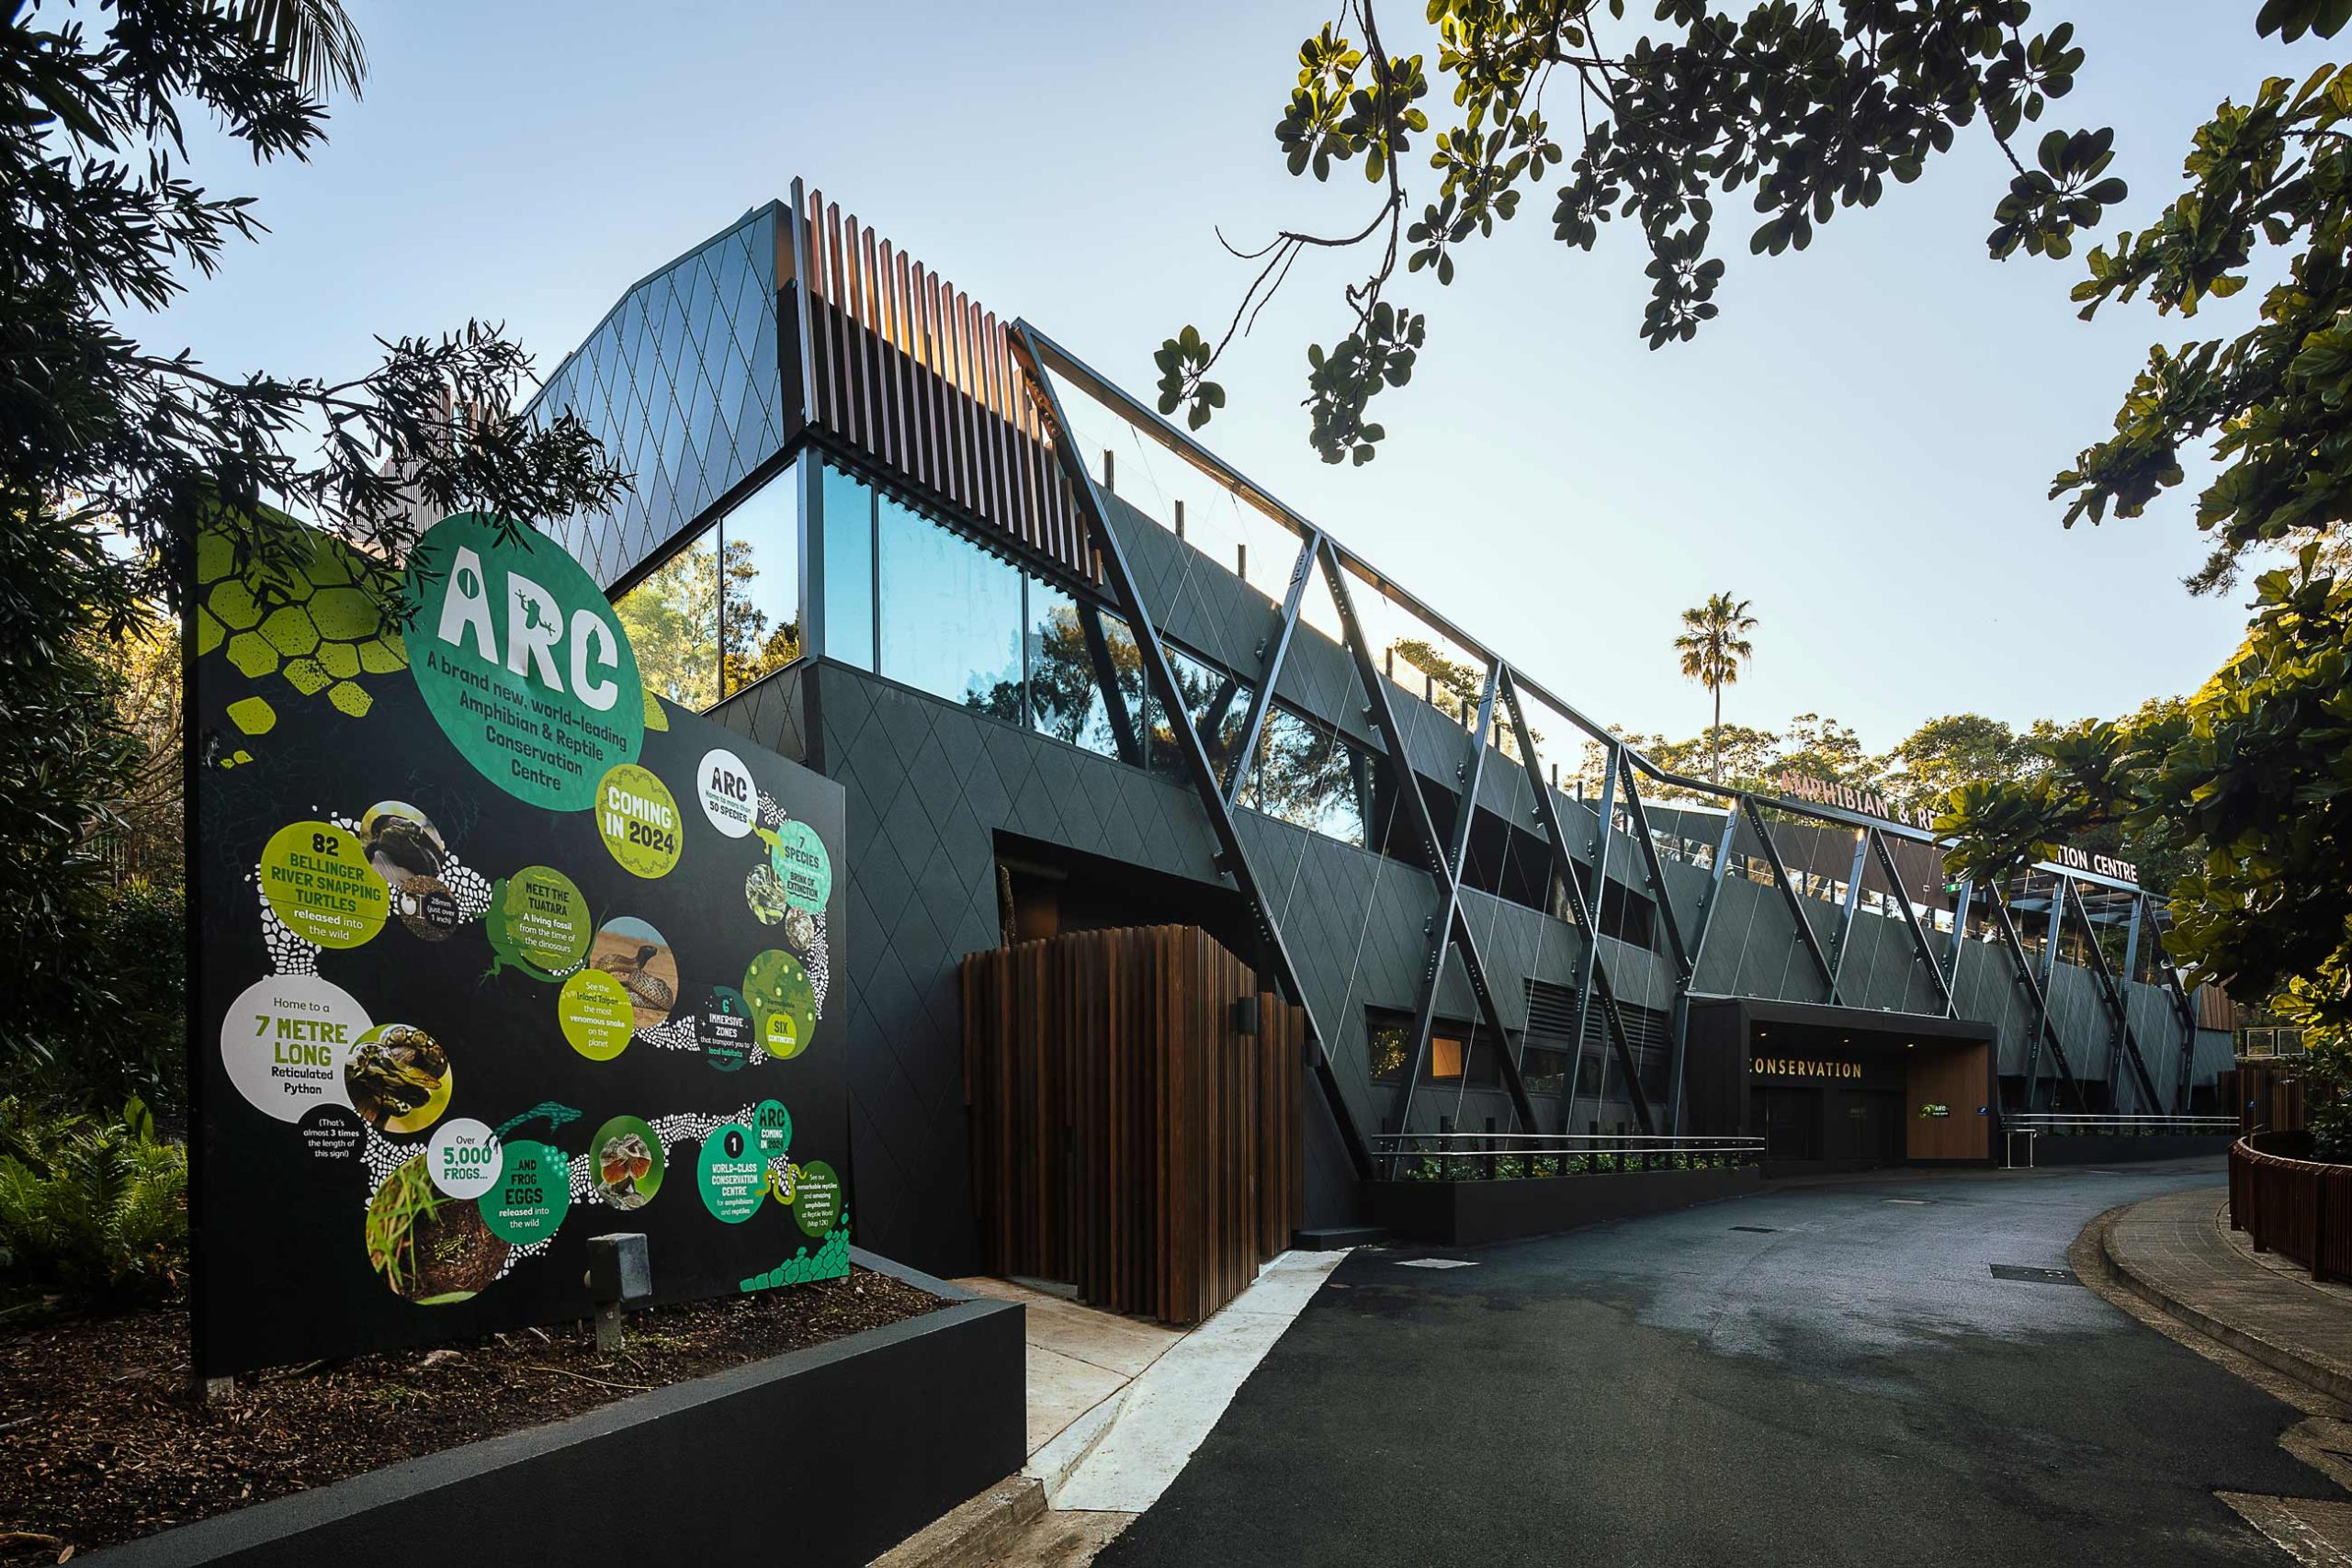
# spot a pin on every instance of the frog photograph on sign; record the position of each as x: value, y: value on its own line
x: 517, y: 1005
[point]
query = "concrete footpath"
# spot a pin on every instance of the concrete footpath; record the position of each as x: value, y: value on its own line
x: 1116, y: 1407
x: 2178, y: 1253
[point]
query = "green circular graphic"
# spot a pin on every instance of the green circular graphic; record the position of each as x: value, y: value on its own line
x: 624, y: 1162
x: 539, y: 919
x: 817, y: 1198
x: 733, y: 1176
x: 783, y: 1003
x: 317, y: 879
x: 595, y: 1014
x: 803, y: 865
x: 532, y: 1195
x: 522, y: 660
x: 774, y: 1124
x: 638, y: 819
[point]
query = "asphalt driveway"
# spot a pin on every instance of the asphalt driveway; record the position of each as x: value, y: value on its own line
x: 1822, y: 1374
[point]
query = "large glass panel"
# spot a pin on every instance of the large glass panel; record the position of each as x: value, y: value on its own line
x: 671, y: 618
x: 1070, y: 648
x: 951, y: 614
x: 1220, y: 707
x: 761, y: 594
x: 1307, y: 775
x: 849, y: 570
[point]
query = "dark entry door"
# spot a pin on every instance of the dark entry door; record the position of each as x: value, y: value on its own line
x: 1790, y: 1120
x: 1867, y: 1125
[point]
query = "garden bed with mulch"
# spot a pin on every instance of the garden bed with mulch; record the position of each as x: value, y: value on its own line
x: 101, y: 1440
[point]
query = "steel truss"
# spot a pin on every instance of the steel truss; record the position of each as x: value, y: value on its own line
x: 2124, y: 1043
x: 1507, y: 688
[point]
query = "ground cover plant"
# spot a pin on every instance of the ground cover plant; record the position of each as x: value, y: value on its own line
x: 101, y: 1442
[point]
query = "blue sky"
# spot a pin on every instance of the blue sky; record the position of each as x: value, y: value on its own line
x: 1861, y: 444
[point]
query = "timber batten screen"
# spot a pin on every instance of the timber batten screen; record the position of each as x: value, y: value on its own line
x: 909, y: 370
x: 1128, y: 1137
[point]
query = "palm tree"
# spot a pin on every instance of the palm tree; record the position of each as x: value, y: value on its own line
x: 1714, y: 644
x: 316, y: 43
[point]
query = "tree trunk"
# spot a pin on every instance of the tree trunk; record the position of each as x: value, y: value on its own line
x: 1715, y: 740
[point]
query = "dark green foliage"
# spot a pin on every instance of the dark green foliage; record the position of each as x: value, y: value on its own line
x: 92, y: 1208
x: 2254, y: 771
x: 112, y: 456
x: 2292, y: 18
x: 97, y: 213
x: 2245, y: 788
x: 1803, y: 108
x: 110, y: 1022
x: 2274, y: 173
x: 64, y: 763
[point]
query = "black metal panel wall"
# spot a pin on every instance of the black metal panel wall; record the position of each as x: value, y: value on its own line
x: 690, y: 384
x: 683, y: 383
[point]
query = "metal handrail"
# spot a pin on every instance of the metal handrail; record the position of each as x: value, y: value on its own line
x: 1481, y: 1157
x: 2053, y: 1120
x: 1606, y: 1139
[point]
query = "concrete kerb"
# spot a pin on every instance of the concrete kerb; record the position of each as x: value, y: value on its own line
x: 2095, y: 1260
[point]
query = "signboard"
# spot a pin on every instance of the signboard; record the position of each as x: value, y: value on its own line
x: 1869, y: 803
x: 495, y: 952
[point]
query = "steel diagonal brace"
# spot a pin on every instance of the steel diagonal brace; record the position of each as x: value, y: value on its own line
x: 2126, y: 1044
x: 1262, y: 698
x: 2044, y: 1031
x: 1919, y: 942
x: 1563, y: 866
x: 1656, y: 874
x: 1455, y: 925
x: 1589, y: 967
x: 1853, y: 904
x: 1959, y: 934
x: 1697, y: 954
x: 1793, y: 898
x: 1425, y: 1014
x: 2182, y: 1010
x: 1161, y: 682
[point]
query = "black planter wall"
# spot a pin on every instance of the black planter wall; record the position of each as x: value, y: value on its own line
x: 823, y: 1457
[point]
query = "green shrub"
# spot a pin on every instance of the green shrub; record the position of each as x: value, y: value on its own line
x: 89, y: 1208
x: 124, y: 1034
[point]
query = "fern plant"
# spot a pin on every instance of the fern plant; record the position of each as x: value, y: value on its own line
x: 94, y: 1209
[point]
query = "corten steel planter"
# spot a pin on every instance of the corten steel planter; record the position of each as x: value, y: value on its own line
x: 2298, y: 1207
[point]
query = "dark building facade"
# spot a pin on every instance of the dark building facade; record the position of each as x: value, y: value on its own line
x: 1075, y: 672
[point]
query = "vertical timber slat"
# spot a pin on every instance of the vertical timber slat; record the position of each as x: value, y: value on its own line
x: 1127, y: 1137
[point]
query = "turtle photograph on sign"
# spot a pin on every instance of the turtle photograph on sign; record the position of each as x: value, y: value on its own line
x: 496, y: 951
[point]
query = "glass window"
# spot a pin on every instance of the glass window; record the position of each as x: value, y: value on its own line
x: 1445, y: 1058
x: 1071, y: 649
x: 951, y: 614
x: 1544, y: 1072
x: 848, y: 508
x: 1219, y: 706
x: 761, y: 619
x: 1588, y: 1077
x: 1388, y: 1036
x: 1307, y: 775
x: 671, y: 618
